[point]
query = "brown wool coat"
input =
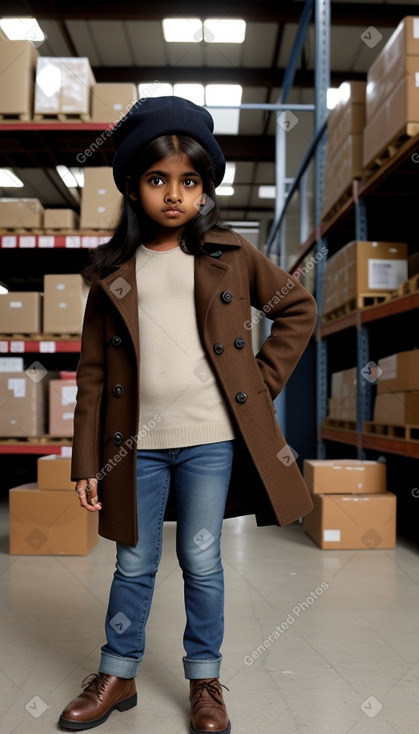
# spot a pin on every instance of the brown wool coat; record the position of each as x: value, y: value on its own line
x: 106, y: 415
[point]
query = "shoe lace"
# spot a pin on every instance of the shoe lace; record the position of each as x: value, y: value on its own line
x: 95, y: 682
x: 212, y: 687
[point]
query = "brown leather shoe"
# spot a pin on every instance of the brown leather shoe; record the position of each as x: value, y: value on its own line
x: 208, y: 711
x: 101, y: 695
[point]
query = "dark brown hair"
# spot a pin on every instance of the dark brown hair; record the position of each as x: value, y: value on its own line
x: 134, y: 226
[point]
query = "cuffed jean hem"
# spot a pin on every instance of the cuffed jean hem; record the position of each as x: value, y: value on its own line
x: 121, y: 667
x: 201, y: 668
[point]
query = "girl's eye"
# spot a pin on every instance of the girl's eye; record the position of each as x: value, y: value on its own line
x: 156, y: 180
x: 189, y: 182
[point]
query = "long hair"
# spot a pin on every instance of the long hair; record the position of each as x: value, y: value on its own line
x: 134, y: 226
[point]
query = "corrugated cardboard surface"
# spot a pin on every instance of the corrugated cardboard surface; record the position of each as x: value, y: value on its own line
x: 44, y: 522
x: 60, y: 219
x: 110, y: 102
x: 17, y: 64
x: 23, y: 411
x: 18, y: 213
x: 62, y: 403
x: 21, y: 312
x: 397, y: 408
x: 54, y: 472
x: 400, y: 372
x: 64, y: 303
x: 344, y: 476
x: 63, y: 85
x: 100, y: 200
x: 353, y: 521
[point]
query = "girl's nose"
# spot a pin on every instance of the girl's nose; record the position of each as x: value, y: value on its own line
x: 174, y: 195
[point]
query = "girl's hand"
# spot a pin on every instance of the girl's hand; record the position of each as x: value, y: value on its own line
x: 86, y: 490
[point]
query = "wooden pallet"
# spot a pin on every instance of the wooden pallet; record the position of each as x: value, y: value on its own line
x: 21, y: 230
x: 341, y: 425
x: 43, y: 440
x: 407, y: 288
x: 62, y: 117
x: 410, y: 130
x: 37, y: 337
x: 15, y: 117
x: 403, y: 433
x: 359, y: 303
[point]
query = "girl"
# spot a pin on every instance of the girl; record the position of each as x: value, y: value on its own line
x: 175, y: 414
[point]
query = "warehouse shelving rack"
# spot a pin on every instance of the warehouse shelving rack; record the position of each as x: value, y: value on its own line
x: 363, y: 215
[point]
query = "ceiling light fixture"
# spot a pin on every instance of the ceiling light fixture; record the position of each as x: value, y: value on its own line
x: 9, y: 180
x: 211, y: 30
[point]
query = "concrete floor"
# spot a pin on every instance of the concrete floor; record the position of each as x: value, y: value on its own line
x: 347, y: 659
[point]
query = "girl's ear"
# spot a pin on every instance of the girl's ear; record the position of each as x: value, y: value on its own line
x: 129, y: 189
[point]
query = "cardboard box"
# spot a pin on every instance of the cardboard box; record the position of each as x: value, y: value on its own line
x: 348, y: 116
x: 360, y: 268
x: 17, y: 63
x: 61, y: 219
x: 100, y: 201
x: 397, y: 408
x: 344, y: 476
x: 110, y: 102
x: 64, y: 303
x: 413, y: 264
x: 343, y: 399
x: 21, y: 213
x: 400, y: 372
x: 353, y: 521
x: 397, y: 110
x: 21, y: 312
x: 344, y: 164
x: 62, y: 403
x: 53, y: 473
x: 389, y: 67
x: 63, y: 85
x: 23, y: 403
x: 44, y: 522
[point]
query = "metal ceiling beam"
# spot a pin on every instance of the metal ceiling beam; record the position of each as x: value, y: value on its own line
x: 287, y: 11
x: 246, y: 77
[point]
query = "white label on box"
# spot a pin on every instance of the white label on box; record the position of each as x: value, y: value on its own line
x: 11, y: 364
x: 72, y: 241
x: 27, y: 241
x: 103, y: 240
x: 416, y: 78
x: 15, y: 304
x: 46, y: 240
x: 386, y: 273
x: 17, y: 346
x: 18, y: 385
x: 68, y: 394
x: 66, y: 451
x: 4, y: 346
x: 389, y: 367
x: 9, y: 241
x: 331, y: 536
x: 67, y: 416
x: 101, y: 191
x: 47, y: 346
x: 101, y: 209
x: 60, y: 286
x: 415, y: 27
x: 62, y: 304
x: 89, y: 241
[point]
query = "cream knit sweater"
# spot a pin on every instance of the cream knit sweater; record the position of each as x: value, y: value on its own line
x: 180, y: 401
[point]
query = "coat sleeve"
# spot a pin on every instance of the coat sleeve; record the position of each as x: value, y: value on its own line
x: 90, y: 386
x: 293, y: 311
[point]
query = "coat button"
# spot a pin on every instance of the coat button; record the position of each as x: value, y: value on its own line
x: 118, y: 390
x: 116, y: 341
x: 217, y: 253
x: 218, y: 348
x: 241, y: 397
x: 239, y: 342
x: 118, y: 437
x: 226, y: 296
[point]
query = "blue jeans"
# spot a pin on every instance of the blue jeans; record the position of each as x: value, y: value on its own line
x: 201, y: 476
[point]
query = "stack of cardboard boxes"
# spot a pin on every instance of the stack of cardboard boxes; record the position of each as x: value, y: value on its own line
x: 392, y: 98
x: 59, y: 309
x: 45, y: 516
x: 343, y: 399
x: 397, y: 399
x: 352, y: 508
x: 344, y: 143
x: 362, y: 269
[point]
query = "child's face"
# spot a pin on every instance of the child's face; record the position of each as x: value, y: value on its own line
x: 170, y: 191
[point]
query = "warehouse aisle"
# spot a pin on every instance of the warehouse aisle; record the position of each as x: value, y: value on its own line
x: 317, y: 641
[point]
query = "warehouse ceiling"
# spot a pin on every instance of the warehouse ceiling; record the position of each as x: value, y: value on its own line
x: 124, y: 42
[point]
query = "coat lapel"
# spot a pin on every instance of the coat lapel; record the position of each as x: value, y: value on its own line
x: 121, y: 289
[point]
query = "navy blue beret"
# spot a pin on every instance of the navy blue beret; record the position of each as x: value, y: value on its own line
x: 151, y: 117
